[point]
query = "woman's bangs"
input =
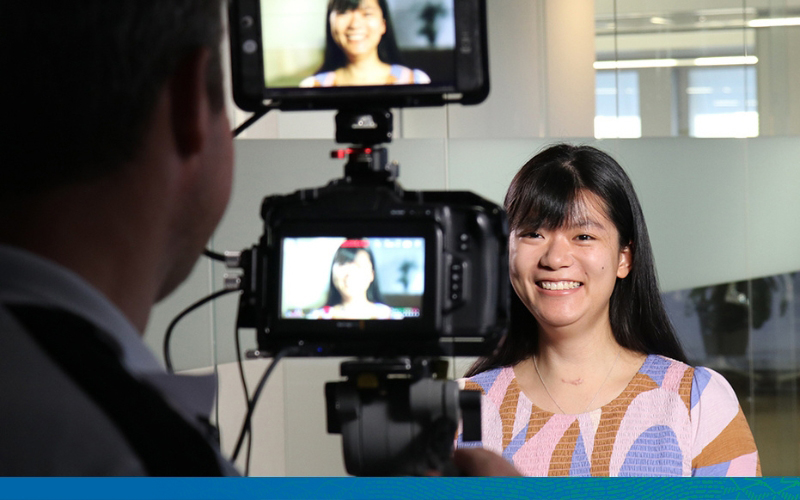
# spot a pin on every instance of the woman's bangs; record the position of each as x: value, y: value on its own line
x: 341, y: 6
x: 345, y: 255
x: 548, y: 202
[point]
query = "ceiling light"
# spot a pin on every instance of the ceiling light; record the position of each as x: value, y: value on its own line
x: 636, y: 63
x: 725, y: 61
x: 777, y: 21
x: 670, y: 63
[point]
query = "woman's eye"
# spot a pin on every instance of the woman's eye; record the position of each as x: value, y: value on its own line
x: 584, y: 237
x: 530, y: 234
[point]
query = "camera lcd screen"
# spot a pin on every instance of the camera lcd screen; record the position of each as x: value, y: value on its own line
x: 338, y: 278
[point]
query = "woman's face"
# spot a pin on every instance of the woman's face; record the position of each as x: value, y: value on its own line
x: 566, y: 276
x: 352, y: 279
x: 358, y: 31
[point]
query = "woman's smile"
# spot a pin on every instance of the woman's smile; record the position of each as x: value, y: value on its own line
x: 559, y: 285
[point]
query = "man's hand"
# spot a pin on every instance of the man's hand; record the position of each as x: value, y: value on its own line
x: 480, y: 462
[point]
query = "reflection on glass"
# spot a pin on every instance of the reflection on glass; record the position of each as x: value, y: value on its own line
x: 722, y: 101
x: 748, y: 331
x: 698, y: 69
x: 617, y: 107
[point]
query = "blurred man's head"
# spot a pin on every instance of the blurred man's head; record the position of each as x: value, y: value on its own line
x: 82, y: 77
x: 120, y: 151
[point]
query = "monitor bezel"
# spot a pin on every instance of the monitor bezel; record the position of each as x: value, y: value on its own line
x: 470, y: 84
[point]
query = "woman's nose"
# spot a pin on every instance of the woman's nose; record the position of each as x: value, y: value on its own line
x: 557, y: 254
x: 356, y: 19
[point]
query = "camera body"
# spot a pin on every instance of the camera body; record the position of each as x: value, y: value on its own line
x: 360, y: 267
x: 440, y: 259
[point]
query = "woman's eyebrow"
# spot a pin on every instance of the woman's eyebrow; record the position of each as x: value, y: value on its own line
x: 585, y: 224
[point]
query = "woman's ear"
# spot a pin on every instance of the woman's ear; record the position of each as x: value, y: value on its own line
x: 625, y: 261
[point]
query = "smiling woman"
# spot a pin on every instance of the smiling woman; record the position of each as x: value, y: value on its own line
x: 353, y: 291
x: 590, y: 379
x: 360, y: 48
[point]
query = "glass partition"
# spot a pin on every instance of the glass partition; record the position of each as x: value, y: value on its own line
x: 719, y: 69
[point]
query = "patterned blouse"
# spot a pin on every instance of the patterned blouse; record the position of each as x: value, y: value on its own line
x: 671, y: 420
x: 398, y: 75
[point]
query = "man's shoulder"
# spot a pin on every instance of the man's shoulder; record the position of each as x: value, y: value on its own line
x: 57, y: 428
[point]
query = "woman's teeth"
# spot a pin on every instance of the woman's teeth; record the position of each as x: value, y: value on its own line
x: 560, y: 285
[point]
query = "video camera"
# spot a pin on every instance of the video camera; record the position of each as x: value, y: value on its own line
x: 361, y: 267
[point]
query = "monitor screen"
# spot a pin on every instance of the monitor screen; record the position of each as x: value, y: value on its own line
x: 322, y: 43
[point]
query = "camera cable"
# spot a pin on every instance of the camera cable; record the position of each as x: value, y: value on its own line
x: 243, y: 379
x: 171, y: 327
x: 214, y: 255
x: 251, y: 405
x: 254, y: 118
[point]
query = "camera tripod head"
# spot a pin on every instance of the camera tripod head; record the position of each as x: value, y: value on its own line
x: 399, y: 416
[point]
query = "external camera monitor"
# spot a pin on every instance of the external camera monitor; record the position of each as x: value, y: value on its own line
x: 339, y: 54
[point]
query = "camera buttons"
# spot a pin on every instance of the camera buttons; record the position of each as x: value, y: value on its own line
x: 464, y: 245
x: 250, y: 47
x: 456, y: 282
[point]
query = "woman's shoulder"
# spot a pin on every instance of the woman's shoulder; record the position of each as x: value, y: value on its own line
x: 325, y: 312
x: 326, y: 79
x: 403, y: 75
x: 657, y: 367
x: 700, y: 383
x: 382, y: 311
x: 485, y: 381
x: 711, y: 387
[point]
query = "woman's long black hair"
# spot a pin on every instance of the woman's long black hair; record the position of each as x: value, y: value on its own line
x: 345, y: 255
x: 335, y: 58
x: 544, y: 194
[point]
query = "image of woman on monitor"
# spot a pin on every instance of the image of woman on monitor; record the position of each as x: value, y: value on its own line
x: 353, y: 292
x: 360, y: 48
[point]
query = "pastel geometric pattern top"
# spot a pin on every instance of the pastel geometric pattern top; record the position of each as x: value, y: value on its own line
x: 671, y: 420
x: 398, y: 75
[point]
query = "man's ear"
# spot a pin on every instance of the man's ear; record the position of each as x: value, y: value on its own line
x: 190, y: 107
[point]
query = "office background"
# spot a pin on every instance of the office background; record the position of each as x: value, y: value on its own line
x: 698, y: 100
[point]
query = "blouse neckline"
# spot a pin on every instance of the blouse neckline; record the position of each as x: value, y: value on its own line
x: 534, y: 408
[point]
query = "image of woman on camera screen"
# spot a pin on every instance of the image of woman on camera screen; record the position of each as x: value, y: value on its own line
x: 360, y: 48
x: 353, y: 291
x: 590, y: 379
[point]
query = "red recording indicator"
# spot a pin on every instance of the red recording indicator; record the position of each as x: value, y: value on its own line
x: 355, y: 244
x: 342, y: 153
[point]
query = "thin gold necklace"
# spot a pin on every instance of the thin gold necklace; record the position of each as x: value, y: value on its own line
x: 535, y: 365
